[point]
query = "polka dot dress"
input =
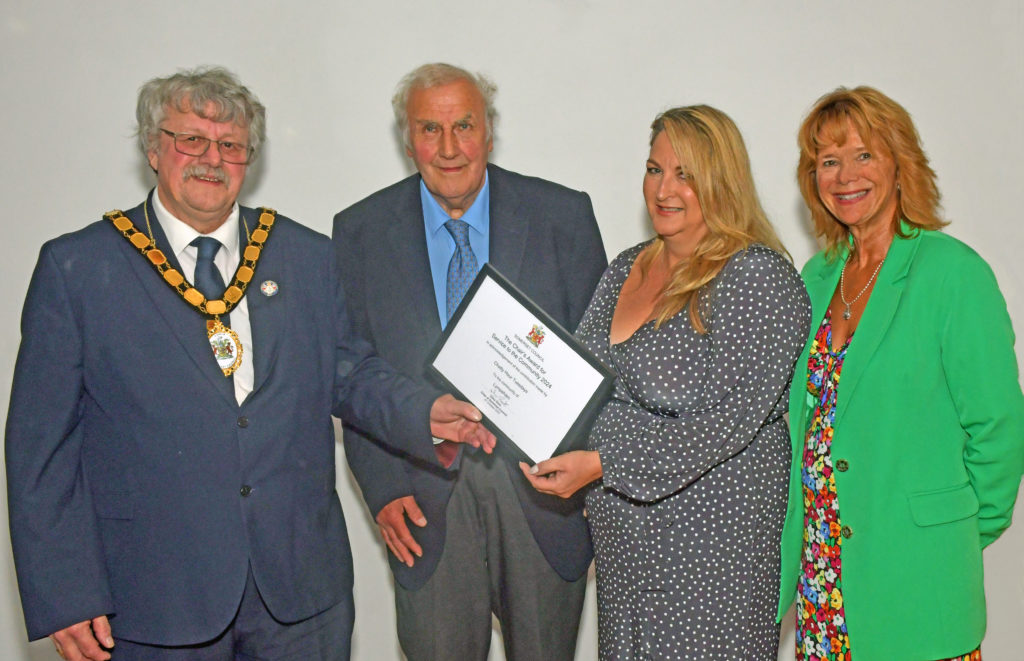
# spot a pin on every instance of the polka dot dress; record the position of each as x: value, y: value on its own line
x: 695, y: 450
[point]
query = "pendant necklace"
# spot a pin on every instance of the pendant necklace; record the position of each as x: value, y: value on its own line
x: 227, y: 348
x: 842, y: 287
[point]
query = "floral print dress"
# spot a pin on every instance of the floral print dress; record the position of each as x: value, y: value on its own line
x: 820, y: 620
x: 821, y: 633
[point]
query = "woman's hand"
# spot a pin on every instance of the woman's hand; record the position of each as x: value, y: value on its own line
x: 565, y: 474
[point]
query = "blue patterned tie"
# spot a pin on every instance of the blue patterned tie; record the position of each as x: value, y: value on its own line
x: 208, y: 279
x: 463, y: 267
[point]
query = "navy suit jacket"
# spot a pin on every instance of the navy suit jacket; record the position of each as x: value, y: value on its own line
x: 545, y: 239
x: 128, y: 457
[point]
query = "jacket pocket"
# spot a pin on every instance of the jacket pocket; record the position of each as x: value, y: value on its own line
x: 113, y: 504
x: 930, y: 508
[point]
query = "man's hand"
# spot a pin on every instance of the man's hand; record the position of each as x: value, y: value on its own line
x: 82, y: 641
x: 391, y: 520
x: 459, y: 421
x: 565, y: 474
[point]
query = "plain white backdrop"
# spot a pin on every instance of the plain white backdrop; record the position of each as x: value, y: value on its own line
x: 579, y: 83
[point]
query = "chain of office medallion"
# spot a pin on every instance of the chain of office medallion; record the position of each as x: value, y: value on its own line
x: 243, y: 274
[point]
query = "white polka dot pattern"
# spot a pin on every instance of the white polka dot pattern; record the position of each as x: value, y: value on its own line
x: 687, y: 519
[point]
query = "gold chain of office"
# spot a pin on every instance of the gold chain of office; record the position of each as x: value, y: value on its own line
x: 239, y: 282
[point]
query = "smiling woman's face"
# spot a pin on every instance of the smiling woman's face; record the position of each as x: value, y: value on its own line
x: 857, y: 183
x: 672, y: 203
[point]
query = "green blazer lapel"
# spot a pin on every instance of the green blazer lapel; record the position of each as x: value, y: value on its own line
x: 878, y: 314
x: 820, y: 285
x: 509, y: 226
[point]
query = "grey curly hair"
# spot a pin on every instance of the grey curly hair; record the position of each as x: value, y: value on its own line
x: 197, y: 90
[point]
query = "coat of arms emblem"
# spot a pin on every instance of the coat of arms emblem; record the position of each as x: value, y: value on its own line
x: 536, y: 335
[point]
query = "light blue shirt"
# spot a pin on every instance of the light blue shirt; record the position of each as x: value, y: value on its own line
x: 441, y: 245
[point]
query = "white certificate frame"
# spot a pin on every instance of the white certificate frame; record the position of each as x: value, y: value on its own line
x: 537, y: 386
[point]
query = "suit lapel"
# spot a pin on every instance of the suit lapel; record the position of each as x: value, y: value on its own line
x: 185, y: 322
x: 408, y: 268
x: 877, y: 317
x: 267, y: 314
x: 509, y: 225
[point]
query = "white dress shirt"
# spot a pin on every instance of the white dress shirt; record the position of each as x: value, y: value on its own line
x: 179, y: 236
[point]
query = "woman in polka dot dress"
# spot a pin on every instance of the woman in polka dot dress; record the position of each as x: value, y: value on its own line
x: 702, y: 325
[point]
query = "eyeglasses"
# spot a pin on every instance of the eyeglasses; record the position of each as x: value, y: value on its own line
x: 238, y: 153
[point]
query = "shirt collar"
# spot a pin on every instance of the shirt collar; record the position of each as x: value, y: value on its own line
x: 180, y: 235
x: 476, y: 215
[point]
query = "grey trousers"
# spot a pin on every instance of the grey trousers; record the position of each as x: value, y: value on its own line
x: 490, y: 564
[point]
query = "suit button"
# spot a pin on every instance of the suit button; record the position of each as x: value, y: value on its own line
x: 245, y: 490
x: 846, y: 532
x: 243, y: 422
x: 842, y: 465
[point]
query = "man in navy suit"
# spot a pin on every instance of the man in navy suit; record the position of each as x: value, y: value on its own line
x: 176, y: 499
x: 483, y: 540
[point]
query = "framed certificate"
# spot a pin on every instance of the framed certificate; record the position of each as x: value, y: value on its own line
x: 536, y: 385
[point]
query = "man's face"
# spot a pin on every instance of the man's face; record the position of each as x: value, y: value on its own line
x: 449, y: 143
x: 199, y: 190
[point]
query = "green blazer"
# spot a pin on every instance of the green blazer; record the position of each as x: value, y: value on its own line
x: 930, y: 423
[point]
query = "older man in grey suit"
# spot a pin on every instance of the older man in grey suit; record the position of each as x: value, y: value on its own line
x: 484, y: 541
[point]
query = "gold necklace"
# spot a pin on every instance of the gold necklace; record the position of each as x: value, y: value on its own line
x: 227, y: 348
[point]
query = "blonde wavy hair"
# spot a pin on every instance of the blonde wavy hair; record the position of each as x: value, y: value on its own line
x: 714, y: 159
x: 882, y: 124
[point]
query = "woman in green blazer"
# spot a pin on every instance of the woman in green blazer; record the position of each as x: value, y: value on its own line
x: 907, y: 466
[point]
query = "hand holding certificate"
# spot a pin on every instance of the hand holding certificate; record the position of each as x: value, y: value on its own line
x: 537, y: 387
x: 565, y: 474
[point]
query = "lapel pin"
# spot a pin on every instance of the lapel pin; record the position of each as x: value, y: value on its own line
x: 268, y: 288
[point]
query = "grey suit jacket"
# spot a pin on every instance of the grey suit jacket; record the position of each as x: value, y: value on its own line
x: 139, y: 488
x: 544, y: 238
